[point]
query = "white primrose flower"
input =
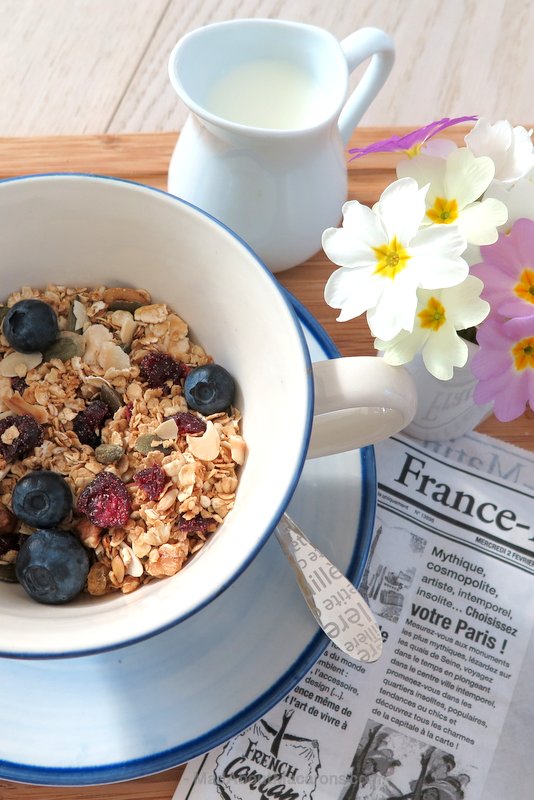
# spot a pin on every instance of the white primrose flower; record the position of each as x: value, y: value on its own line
x: 439, y: 315
x: 455, y: 185
x: 510, y: 149
x: 385, y: 257
x: 518, y: 199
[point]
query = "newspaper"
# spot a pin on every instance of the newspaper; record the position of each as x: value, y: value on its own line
x: 445, y: 714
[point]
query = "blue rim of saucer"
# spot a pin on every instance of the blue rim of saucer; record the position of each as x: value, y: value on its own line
x: 174, y: 756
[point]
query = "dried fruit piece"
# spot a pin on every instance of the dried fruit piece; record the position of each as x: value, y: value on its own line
x: 157, y: 368
x: 19, y: 385
x: 108, y: 453
x: 8, y: 522
x: 88, y: 423
x: 30, y: 436
x: 188, y: 423
x: 197, y: 524
x: 9, y: 542
x: 97, y: 579
x: 151, y: 480
x: 105, y: 501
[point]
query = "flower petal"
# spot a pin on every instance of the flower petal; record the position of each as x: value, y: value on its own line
x: 479, y: 222
x: 443, y: 351
x: 467, y: 177
x: 351, y: 290
x: 401, y: 209
x: 426, y: 170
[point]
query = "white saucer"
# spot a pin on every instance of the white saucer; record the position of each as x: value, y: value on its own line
x: 154, y: 705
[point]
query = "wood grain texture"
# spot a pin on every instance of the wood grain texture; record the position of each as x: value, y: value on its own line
x: 145, y: 158
x: 96, y: 66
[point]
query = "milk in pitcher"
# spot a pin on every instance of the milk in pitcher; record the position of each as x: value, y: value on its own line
x: 267, y: 93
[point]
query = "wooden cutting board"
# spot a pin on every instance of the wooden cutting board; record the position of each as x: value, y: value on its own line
x: 145, y: 158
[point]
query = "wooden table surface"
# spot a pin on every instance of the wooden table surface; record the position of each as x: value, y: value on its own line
x: 145, y: 158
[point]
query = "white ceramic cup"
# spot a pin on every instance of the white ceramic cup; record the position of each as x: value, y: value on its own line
x: 86, y: 230
x: 276, y: 175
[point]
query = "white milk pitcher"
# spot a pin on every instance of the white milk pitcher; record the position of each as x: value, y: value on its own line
x: 263, y: 149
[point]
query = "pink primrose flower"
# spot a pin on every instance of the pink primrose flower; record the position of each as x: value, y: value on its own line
x: 507, y: 271
x: 504, y: 366
x: 410, y: 143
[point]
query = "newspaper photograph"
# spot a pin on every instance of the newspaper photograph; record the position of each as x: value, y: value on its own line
x: 444, y: 713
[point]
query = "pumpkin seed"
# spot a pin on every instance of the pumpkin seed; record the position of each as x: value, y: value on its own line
x: 108, y: 453
x: 3, y: 312
x: 67, y: 345
x: 111, y: 397
x: 125, y: 305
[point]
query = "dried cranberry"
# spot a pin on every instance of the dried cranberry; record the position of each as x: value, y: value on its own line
x: 30, y: 436
x: 128, y: 412
x: 105, y: 501
x: 88, y: 423
x: 152, y: 481
x: 157, y: 368
x: 188, y: 423
x: 194, y: 525
x: 18, y: 385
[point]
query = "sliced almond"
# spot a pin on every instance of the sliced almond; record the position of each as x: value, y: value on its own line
x: 207, y: 446
x: 133, y: 565
x: 17, y: 405
x: 18, y: 364
x: 80, y: 315
x: 95, y: 336
x: 238, y: 449
x: 111, y: 356
x: 167, y: 429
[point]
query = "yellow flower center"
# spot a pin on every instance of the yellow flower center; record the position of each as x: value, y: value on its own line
x: 525, y: 287
x: 433, y: 316
x: 523, y: 353
x: 414, y: 151
x: 443, y: 211
x: 390, y: 259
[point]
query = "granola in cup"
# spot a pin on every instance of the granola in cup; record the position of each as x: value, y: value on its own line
x: 104, y: 407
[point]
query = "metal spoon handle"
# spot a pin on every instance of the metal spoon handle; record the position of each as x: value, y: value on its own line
x: 338, y: 607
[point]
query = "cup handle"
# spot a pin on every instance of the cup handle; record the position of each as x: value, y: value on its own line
x: 363, y: 44
x: 358, y: 401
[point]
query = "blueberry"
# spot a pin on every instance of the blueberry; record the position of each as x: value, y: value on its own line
x: 30, y: 326
x: 52, y: 566
x: 41, y: 499
x: 209, y: 389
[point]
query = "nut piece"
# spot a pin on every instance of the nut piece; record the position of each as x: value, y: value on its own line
x: 125, y: 295
x: 167, y: 429
x: 207, y: 446
x: 17, y: 405
x: 16, y: 365
x: 8, y: 521
x: 90, y: 535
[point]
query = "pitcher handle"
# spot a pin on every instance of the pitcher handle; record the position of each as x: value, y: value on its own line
x: 358, y: 47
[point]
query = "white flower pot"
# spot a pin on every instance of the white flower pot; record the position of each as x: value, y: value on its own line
x: 445, y: 409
